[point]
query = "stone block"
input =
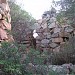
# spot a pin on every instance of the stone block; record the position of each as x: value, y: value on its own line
x: 39, y: 21
x: 55, y: 35
x: 44, y: 25
x: 57, y: 30
x: 47, y: 35
x: 52, y: 25
x: 3, y: 34
x: 39, y: 30
x: 53, y: 45
x: 45, y: 41
x: 7, y: 25
x: 53, y: 19
x: 3, y: 1
x: 57, y: 40
x: 44, y: 45
x: 36, y: 26
x: 46, y: 30
x: 68, y: 29
x: 38, y: 38
x: 37, y: 41
x: 63, y: 26
x: 64, y: 34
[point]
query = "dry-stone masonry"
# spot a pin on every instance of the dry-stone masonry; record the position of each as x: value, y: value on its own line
x: 5, y: 21
x: 51, y: 35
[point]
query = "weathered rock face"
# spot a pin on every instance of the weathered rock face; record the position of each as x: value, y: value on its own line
x: 50, y: 33
x: 5, y: 21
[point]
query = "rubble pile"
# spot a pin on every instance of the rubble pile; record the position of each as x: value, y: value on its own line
x: 5, y: 21
x: 51, y: 35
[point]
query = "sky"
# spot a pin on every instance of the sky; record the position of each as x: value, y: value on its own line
x: 35, y: 7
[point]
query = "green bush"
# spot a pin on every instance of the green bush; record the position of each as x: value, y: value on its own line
x: 11, y: 55
x: 10, y: 58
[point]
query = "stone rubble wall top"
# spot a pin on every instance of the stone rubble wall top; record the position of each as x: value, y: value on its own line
x: 51, y: 35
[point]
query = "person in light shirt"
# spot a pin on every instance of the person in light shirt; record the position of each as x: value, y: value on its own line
x: 34, y: 38
x: 35, y: 34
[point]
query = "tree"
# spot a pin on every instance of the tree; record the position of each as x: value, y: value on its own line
x: 17, y: 14
x: 68, y: 7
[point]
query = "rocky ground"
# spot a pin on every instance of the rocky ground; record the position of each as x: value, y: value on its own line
x: 65, y: 69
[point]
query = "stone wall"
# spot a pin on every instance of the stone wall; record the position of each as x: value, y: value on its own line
x: 5, y: 21
x: 51, y: 35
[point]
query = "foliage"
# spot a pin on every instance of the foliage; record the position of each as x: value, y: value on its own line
x: 13, y: 63
x: 19, y: 15
x: 10, y: 58
x: 68, y: 7
x: 66, y: 54
x: 21, y: 20
x: 52, y: 72
x: 61, y: 18
x: 66, y: 15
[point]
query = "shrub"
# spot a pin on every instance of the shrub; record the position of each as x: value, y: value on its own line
x: 10, y: 58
